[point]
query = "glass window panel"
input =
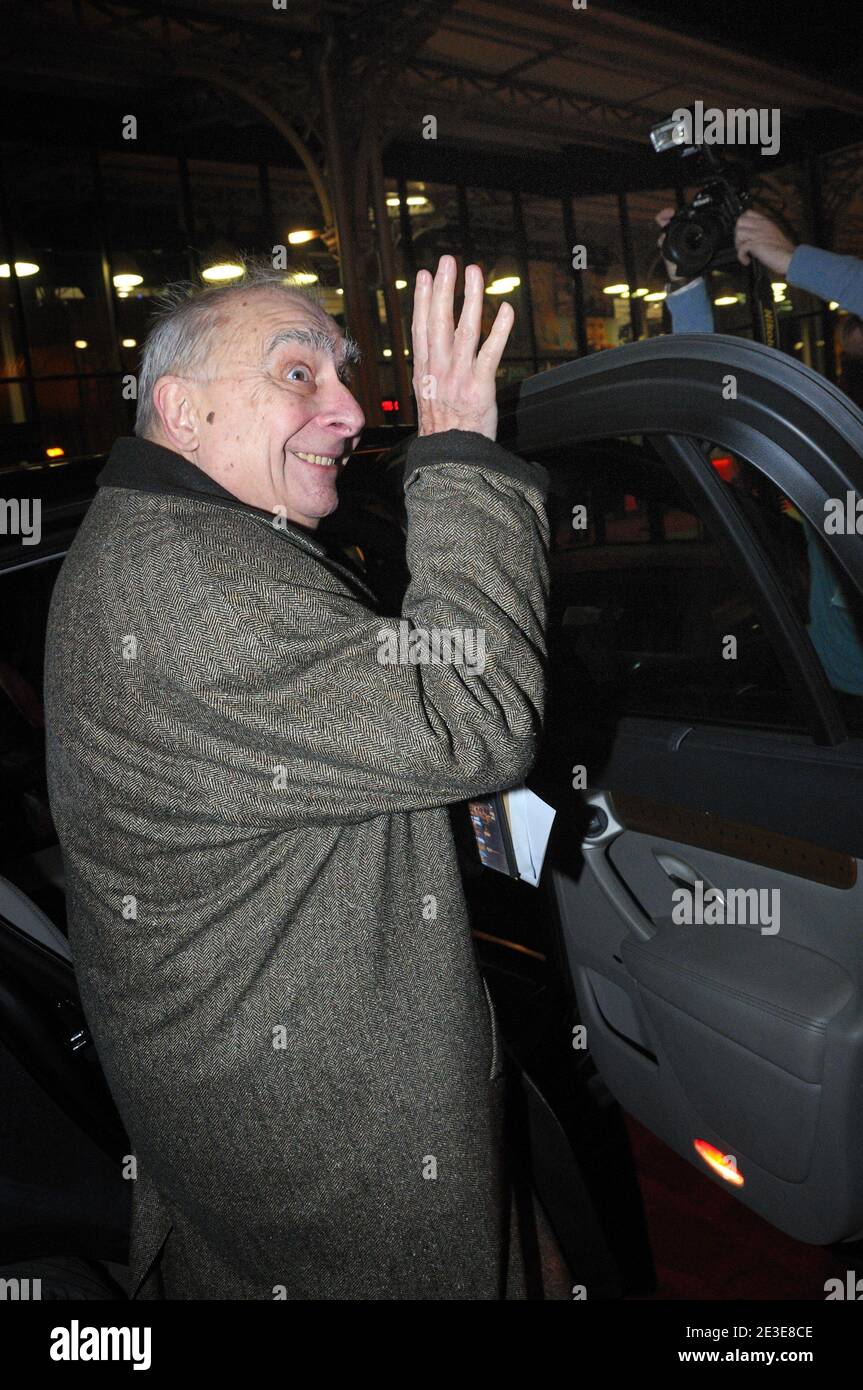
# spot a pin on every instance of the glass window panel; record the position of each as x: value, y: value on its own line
x: 19, y: 436
x: 63, y: 294
x: 493, y: 235
x: 434, y: 220
x: 643, y: 601
x: 824, y: 600
x: 146, y: 235
x: 597, y: 227
x: 294, y: 206
x: 83, y: 415
x: 550, y: 264
x: 12, y: 361
x: 842, y: 201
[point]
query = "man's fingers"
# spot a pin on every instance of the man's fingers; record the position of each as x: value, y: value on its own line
x: 489, y: 355
x: 419, y: 326
x: 440, y: 321
x: 470, y: 320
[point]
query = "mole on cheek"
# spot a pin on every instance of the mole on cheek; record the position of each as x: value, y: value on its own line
x: 211, y: 417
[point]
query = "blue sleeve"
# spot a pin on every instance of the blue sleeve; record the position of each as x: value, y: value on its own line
x: 829, y: 276
x: 690, y: 308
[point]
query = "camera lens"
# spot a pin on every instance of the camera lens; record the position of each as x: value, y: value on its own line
x: 691, y: 242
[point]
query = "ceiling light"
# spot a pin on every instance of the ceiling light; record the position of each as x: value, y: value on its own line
x: 301, y: 277
x: 301, y: 236
x: 128, y: 342
x: 394, y: 201
x: 22, y: 269
x: 416, y: 200
x: 221, y: 262
x: 126, y: 273
x: 401, y: 284
x: 616, y: 289
x: 388, y: 352
x: 81, y: 343
x: 726, y: 299
x: 223, y: 270
x: 655, y: 296
x: 505, y: 285
x: 778, y: 287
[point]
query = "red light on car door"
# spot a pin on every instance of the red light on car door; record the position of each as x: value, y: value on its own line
x: 725, y: 467
x: 722, y: 1164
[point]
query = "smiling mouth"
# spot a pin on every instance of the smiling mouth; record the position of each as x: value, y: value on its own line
x: 321, y: 460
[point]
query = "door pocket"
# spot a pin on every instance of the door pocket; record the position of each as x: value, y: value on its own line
x: 742, y: 1021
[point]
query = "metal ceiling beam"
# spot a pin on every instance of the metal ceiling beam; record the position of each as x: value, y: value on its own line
x: 534, y: 94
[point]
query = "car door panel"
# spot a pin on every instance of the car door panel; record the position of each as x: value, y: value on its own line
x: 737, y: 1037
x: 747, y: 1035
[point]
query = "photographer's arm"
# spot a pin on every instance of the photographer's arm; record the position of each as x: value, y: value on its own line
x: 822, y: 273
x: 690, y: 308
x: 828, y: 276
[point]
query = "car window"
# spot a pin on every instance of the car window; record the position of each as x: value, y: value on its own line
x: 644, y: 607
x: 826, y: 603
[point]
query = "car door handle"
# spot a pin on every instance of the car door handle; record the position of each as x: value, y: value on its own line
x: 682, y: 875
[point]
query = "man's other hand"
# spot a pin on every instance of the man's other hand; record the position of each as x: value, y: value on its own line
x: 454, y: 383
x: 755, y: 235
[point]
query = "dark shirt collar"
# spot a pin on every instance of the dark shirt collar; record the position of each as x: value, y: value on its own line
x: 148, y: 467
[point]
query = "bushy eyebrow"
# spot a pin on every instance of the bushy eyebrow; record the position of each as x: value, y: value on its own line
x: 318, y: 339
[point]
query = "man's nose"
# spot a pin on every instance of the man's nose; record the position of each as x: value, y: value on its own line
x: 342, y: 412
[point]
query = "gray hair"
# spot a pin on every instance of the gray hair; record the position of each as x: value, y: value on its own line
x: 185, y: 324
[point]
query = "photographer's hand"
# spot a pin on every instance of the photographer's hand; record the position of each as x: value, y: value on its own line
x: 455, y: 384
x: 755, y: 235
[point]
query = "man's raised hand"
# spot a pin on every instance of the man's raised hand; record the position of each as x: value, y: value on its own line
x: 454, y: 383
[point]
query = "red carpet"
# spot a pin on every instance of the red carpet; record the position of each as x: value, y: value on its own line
x: 707, y: 1245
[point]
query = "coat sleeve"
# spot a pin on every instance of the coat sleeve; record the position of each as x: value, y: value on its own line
x: 294, y: 701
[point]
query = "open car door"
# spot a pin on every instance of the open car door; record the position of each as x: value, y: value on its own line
x: 708, y: 663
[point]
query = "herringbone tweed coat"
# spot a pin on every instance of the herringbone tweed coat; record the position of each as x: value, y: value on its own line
x: 265, y: 909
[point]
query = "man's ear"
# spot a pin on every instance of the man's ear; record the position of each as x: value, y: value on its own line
x: 175, y: 403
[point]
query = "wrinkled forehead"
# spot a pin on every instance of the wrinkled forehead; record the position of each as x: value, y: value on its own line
x: 258, y: 322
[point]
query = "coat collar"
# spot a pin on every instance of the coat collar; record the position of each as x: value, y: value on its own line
x: 147, y: 467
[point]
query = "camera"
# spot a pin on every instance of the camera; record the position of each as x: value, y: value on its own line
x: 701, y: 234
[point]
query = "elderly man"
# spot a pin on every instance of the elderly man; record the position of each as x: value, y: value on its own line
x: 264, y: 901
